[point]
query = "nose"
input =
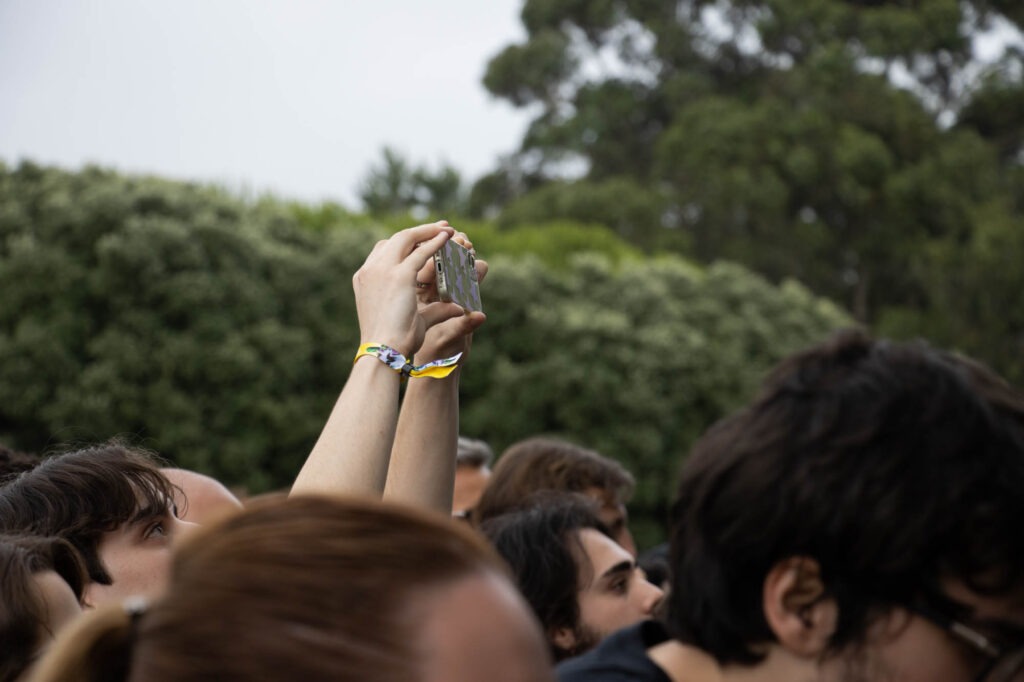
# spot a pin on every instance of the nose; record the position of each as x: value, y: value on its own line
x: 650, y: 594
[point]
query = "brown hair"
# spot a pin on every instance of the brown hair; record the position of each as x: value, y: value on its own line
x: 310, y: 588
x: 81, y: 495
x: 544, y: 463
x: 22, y: 613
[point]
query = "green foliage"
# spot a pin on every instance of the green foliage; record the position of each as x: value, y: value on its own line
x: 633, y: 212
x: 215, y: 331
x: 395, y: 187
x: 848, y: 144
x: 219, y: 332
x: 553, y: 243
x: 634, y: 359
x: 987, y: 326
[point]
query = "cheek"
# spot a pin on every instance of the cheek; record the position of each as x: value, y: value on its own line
x: 136, y: 572
x: 919, y: 652
x: 606, y: 613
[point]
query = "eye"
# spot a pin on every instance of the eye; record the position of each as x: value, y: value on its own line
x: 620, y: 585
x: 157, y: 530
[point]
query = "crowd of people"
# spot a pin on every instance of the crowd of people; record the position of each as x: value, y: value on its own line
x: 858, y: 520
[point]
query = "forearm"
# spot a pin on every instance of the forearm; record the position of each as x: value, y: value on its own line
x: 422, y: 469
x: 352, y: 453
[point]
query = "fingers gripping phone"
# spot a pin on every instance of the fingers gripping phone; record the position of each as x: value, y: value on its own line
x: 456, y: 276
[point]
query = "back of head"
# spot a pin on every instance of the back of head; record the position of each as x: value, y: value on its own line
x: 200, y: 498
x: 541, y: 545
x: 542, y: 463
x: 893, y: 465
x: 302, y: 588
x: 23, y: 610
x: 473, y: 452
x: 81, y: 495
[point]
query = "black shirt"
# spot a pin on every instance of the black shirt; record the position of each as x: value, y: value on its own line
x: 621, y: 656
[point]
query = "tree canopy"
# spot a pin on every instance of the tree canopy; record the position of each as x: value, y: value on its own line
x: 863, y: 147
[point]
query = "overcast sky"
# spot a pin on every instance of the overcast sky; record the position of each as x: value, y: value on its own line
x: 292, y: 96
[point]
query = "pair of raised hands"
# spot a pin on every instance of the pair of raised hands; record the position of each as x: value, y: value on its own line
x: 396, y: 296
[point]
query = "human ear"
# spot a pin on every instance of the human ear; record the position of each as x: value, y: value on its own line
x: 798, y: 610
x: 563, y: 638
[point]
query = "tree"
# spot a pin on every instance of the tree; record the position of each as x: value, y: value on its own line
x: 773, y: 132
x: 396, y: 187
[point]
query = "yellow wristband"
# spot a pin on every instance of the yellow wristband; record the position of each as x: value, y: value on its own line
x: 438, y: 369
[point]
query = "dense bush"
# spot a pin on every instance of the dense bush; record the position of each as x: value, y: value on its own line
x: 219, y: 331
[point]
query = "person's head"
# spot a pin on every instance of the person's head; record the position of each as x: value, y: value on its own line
x: 198, y: 497
x: 472, y: 471
x: 579, y: 582
x: 317, y: 588
x: 869, y: 497
x: 109, y: 501
x: 542, y: 463
x: 40, y: 593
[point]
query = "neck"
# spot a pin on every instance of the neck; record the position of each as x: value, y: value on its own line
x: 686, y: 663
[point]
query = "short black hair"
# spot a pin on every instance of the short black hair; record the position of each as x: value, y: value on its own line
x: 541, y: 545
x: 894, y: 465
x: 83, y: 494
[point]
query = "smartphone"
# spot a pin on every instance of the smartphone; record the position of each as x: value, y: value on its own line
x: 456, y: 276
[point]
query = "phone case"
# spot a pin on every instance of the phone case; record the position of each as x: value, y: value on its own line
x: 456, y: 276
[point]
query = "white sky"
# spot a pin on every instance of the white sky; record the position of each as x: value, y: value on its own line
x: 297, y: 97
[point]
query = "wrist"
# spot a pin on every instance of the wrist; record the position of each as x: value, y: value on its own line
x: 396, y: 361
x: 396, y: 344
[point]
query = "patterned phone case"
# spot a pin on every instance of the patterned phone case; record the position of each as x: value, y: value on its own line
x: 456, y: 276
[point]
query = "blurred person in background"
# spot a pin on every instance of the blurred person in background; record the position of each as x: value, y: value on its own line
x: 543, y: 463
x: 472, y: 471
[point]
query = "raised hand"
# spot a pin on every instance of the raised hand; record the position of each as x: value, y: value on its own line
x: 454, y: 335
x: 389, y: 310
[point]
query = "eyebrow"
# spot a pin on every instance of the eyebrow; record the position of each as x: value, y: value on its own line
x: 621, y: 567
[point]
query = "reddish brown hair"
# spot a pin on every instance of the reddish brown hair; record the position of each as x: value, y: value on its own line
x: 308, y: 588
x: 543, y: 463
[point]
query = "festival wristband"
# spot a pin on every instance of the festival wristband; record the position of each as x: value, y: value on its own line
x: 438, y: 369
